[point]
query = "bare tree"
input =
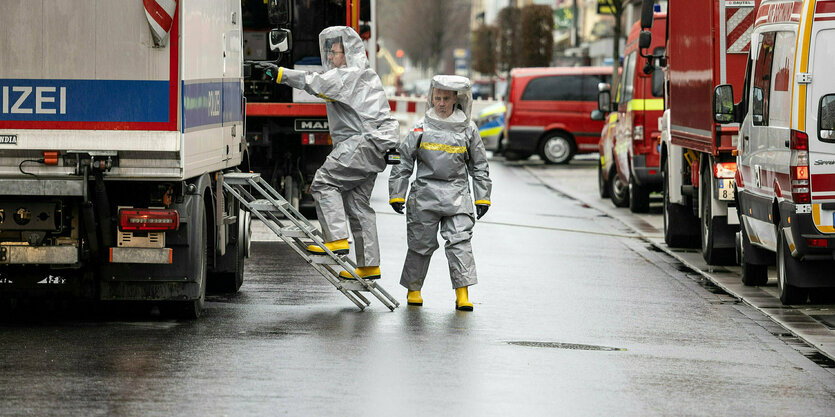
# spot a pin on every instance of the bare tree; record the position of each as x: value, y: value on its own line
x: 427, y: 30
x: 509, y: 23
x: 484, y: 49
x: 617, y: 7
x: 537, y: 44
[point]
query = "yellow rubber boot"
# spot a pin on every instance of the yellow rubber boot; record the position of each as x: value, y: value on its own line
x: 413, y: 298
x: 365, y: 272
x: 339, y: 247
x: 462, y: 300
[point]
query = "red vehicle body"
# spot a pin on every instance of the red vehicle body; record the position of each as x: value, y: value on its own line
x: 706, y: 46
x: 287, y: 131
x: 548, y: 112
x: 629, y: 149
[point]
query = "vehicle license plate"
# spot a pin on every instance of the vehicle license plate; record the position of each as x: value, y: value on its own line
x: 726, y: 189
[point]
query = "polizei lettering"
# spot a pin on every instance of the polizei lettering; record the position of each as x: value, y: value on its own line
x: 33, y: 100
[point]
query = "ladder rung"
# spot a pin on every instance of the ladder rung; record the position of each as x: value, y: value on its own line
x: 235, y: 178
x: 352, y: 285
x: 293, y: 231
x: 322, y: 259
x: 266, y: 205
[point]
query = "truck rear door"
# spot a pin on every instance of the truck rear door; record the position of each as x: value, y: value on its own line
x: 820, y: 110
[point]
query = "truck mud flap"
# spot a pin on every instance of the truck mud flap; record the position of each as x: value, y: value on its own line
x: 145, y: 291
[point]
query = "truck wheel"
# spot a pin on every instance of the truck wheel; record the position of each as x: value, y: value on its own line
x: 230, y: 278
x: 709, y: 227
x: 556, y: 148
x: 787, y: 268
x: 191, y: 309
x: 602, y: 184
x: 618, y: 190
x: 638, y: 197
x: 681, y: 228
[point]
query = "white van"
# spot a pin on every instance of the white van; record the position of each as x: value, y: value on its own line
x: 786, y: 149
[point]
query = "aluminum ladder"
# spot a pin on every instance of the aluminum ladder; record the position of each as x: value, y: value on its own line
x: 263, y: 201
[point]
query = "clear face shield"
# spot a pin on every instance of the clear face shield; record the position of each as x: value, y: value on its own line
x: 448, y: 94
x: 333, y: 53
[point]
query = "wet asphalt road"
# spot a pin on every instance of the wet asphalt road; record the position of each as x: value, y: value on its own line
x: 573, y: 316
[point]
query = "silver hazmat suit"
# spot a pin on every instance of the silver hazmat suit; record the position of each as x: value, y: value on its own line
x: 446, y: 151
x: 362, y: 130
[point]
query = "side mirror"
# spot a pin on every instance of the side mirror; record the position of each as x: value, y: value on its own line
x: 647, y: 10
x: 279, y: 12
x: 597, y: 115
x: 604, y: 101
x: 826, y: 118
x: 723, y: 103
x: 281, y: 40
x: 644, y: 39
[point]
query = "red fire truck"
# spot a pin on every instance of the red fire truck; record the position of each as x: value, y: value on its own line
x: 287, y: 129
x: 706, y: 46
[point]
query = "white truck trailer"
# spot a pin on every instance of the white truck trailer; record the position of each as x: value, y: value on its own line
x: 118, y: 119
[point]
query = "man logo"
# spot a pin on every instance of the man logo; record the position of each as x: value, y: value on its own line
x: 311, y: 125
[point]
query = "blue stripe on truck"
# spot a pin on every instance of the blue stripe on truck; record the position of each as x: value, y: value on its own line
x: 83, y: 100
x: 211, y: 103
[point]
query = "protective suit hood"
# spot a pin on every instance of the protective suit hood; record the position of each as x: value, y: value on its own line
x: 351, y: 45
x: 460, y: 118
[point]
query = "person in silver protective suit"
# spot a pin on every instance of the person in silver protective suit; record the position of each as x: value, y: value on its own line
x: 447, y: 149
x: 363, y: 131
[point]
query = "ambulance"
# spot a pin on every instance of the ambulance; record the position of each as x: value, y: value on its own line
x: 785, y: 180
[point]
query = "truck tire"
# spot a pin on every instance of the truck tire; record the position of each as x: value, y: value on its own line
x: 787, y: 268
x: 710, y: 226
x: 192, y: 309
x: 602, y: 183
x: 230, y: 279
x: 618, y: 190
x: 556, y: 148
x: 638, y: 197
x: 681, y: 227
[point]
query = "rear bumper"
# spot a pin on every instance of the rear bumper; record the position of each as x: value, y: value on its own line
x: 523, y: 138
x: 801, y: 228
x: 645, y: 175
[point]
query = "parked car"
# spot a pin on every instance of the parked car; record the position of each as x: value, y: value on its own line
x: 548, y: 112
x: 490, y: 122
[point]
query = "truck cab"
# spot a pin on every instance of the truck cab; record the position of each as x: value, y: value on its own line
x: 786, y: 152
x: 640, y: 102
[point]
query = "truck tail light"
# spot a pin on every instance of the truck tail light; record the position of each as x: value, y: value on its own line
x: 148, y: 220
x: 817, y: 243
x: 799, y: 167
x: 638, y: 127
x: 725, y: 170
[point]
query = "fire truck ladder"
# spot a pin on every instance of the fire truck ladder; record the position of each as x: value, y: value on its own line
x: 298, y: 232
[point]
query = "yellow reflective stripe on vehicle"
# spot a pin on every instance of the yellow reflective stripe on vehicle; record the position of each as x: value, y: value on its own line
x: 485, y: 202
x: 491, y: 131
x: 645, y: 104
x: 817, y: 219
x: 429, y: 146
x: 492, y: 112
x: 397, y: 200
x: 803, y: 50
